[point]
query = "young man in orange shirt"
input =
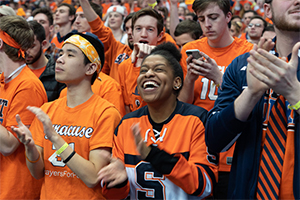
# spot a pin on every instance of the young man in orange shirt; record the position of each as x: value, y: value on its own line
x: 19, y: 88
x: 204, y: 75
x: 71, y: 138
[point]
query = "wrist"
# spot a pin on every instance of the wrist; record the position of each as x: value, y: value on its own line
x: 294, y: 97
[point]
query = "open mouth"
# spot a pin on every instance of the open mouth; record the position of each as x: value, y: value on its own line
x: 149, y: 85
x: 143, y: 41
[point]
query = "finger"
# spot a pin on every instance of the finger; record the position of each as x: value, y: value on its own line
x: 295, y: 54
x: 269, y: 60
x: 134, y: 52
x: 18, y: 119
x: 258, y: 71
x: 189, y: 59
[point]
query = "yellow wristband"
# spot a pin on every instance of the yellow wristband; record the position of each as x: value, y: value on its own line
x: 152, y: 5
x: 61, y: 149
x: 294, y: 107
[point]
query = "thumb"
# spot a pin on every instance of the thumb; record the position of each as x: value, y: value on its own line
x: 295, y: 52
x: 18, y: 119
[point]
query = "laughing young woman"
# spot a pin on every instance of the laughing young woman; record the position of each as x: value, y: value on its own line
x: 162, y: 144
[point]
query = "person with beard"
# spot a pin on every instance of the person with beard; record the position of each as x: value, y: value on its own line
x: 43, y: 68
x: 258, y: 107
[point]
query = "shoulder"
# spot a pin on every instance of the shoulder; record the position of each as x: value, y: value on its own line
x: 243, y: 43
x: 195, y: 44
x: 186, y: 109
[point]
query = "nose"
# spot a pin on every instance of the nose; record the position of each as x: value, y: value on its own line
x: 144, y: 32
x: 149, y: 73
x: 207, y: 23
x: 77, y: 20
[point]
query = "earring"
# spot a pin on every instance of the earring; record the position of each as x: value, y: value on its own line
x: 176, y: 87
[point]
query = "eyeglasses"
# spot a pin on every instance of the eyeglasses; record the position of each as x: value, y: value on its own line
x: 255, y: 25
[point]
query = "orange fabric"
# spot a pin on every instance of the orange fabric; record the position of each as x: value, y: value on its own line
x: 56, y: 42
x: 128, y: 75
x: 38, y: 72
x: 53, y: 6
x: 11, y: 42
x: 21, y: 12
x: 79, y: 9
x: 127, y: 6
x: 243, y: 36
x: 105, y: 7
x: 67, y: 1
x: 135, y: 9
x: 26, y: 89
x: 107, y: 88
x: 115, y: 51
x: 205, y: 92
x: 167, y: 38
x: 85, y: 127
x: 184, y: 133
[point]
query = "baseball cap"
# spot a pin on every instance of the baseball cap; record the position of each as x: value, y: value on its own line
x: 6, y: 10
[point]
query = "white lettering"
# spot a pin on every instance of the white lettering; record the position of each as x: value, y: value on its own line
x: 73, y: 131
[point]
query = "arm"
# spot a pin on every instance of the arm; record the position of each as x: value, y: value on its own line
x: 173, y: 17
x: 8, y: 142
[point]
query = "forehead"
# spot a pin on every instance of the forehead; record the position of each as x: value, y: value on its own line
x: 248, y: 14
x: 115, y: 13
x: 68, y: 47
x: 146, y: 20
x: 212, y: 8
x: 154, y: 60
x: 40, y: 16
x: 256, y: 21
x: 129, y: 22
x: 63, y: 8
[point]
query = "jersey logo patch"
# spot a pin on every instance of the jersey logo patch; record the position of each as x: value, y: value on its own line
x: 3, y: 102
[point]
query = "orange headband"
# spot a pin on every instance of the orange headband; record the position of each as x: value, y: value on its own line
x: 11, y: 42
x: 79, y: 9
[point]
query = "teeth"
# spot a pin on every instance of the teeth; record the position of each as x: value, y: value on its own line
x: 150, y: 83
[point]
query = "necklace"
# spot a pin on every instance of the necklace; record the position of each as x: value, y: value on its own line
x: 14, y: 72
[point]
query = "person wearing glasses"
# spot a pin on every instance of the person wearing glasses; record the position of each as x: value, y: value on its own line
x: 256, y: 28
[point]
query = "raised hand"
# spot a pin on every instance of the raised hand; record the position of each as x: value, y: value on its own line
x: 254, y: 84
x: 44, y: 118
x: 141, y: 145
x: 23, y: 133
x: 140, y: 50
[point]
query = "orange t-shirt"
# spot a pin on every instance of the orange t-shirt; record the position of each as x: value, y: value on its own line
x: 128, y: 75
x: 38, y: 72
x: 25, y: 90
x: 85, y: 127
x: 115, y: 51
x: 205, y: 92
x: 56, y: 42
x: 167, y: 38
x: 107, y: 88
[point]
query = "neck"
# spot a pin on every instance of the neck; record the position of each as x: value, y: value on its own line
x: 118, y: 33
x: 64, y: 29
x: 225, y: 40
x: 285, y: 41
x: 8, y: 66
x: 254, y: 40
x: 161, y: 112
x: 41, y: 62
x: 78, y: 93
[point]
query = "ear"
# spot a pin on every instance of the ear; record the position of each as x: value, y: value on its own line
x: 91, y: 68
x: 51, y: 29
x: 44, y: 43
x: 71, y: 17
x: 177, y: 83
x: 267, y: 9
x: 1, y: 43
x: 228, y: 17
x: 160, y: 36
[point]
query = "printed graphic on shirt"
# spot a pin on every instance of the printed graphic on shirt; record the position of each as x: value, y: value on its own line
x: 3, y: 103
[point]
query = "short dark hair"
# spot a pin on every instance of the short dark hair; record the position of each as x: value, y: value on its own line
x: 268, y: 1
x: 265, y: 23
x: 46, y: 11
x: 97, y: 8
x: 188, y: 26
x: 252, y: 11
x: 72, y: 10
x: 193, y: 15
x: 127, y: 18
x: 201, y: 5
x: 269, y: 28
x: 38, y: 30
x: 151, y: 12
x: 98, y: 45
x: 170, y: 52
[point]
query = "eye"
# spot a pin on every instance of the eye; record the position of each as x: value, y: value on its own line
x: 158, y: 70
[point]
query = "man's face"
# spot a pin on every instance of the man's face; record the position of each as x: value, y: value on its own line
x: 43, y: 20
x: 247, y: 17
x: 81, y: 24
x: 183, y: 39
x: 61, y: 15
x: 213, y: 22
x: 34, y: 53
x: 128, y: 30
x: 145, y: 30
x: 255, y: 28
x: 285, y: 14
